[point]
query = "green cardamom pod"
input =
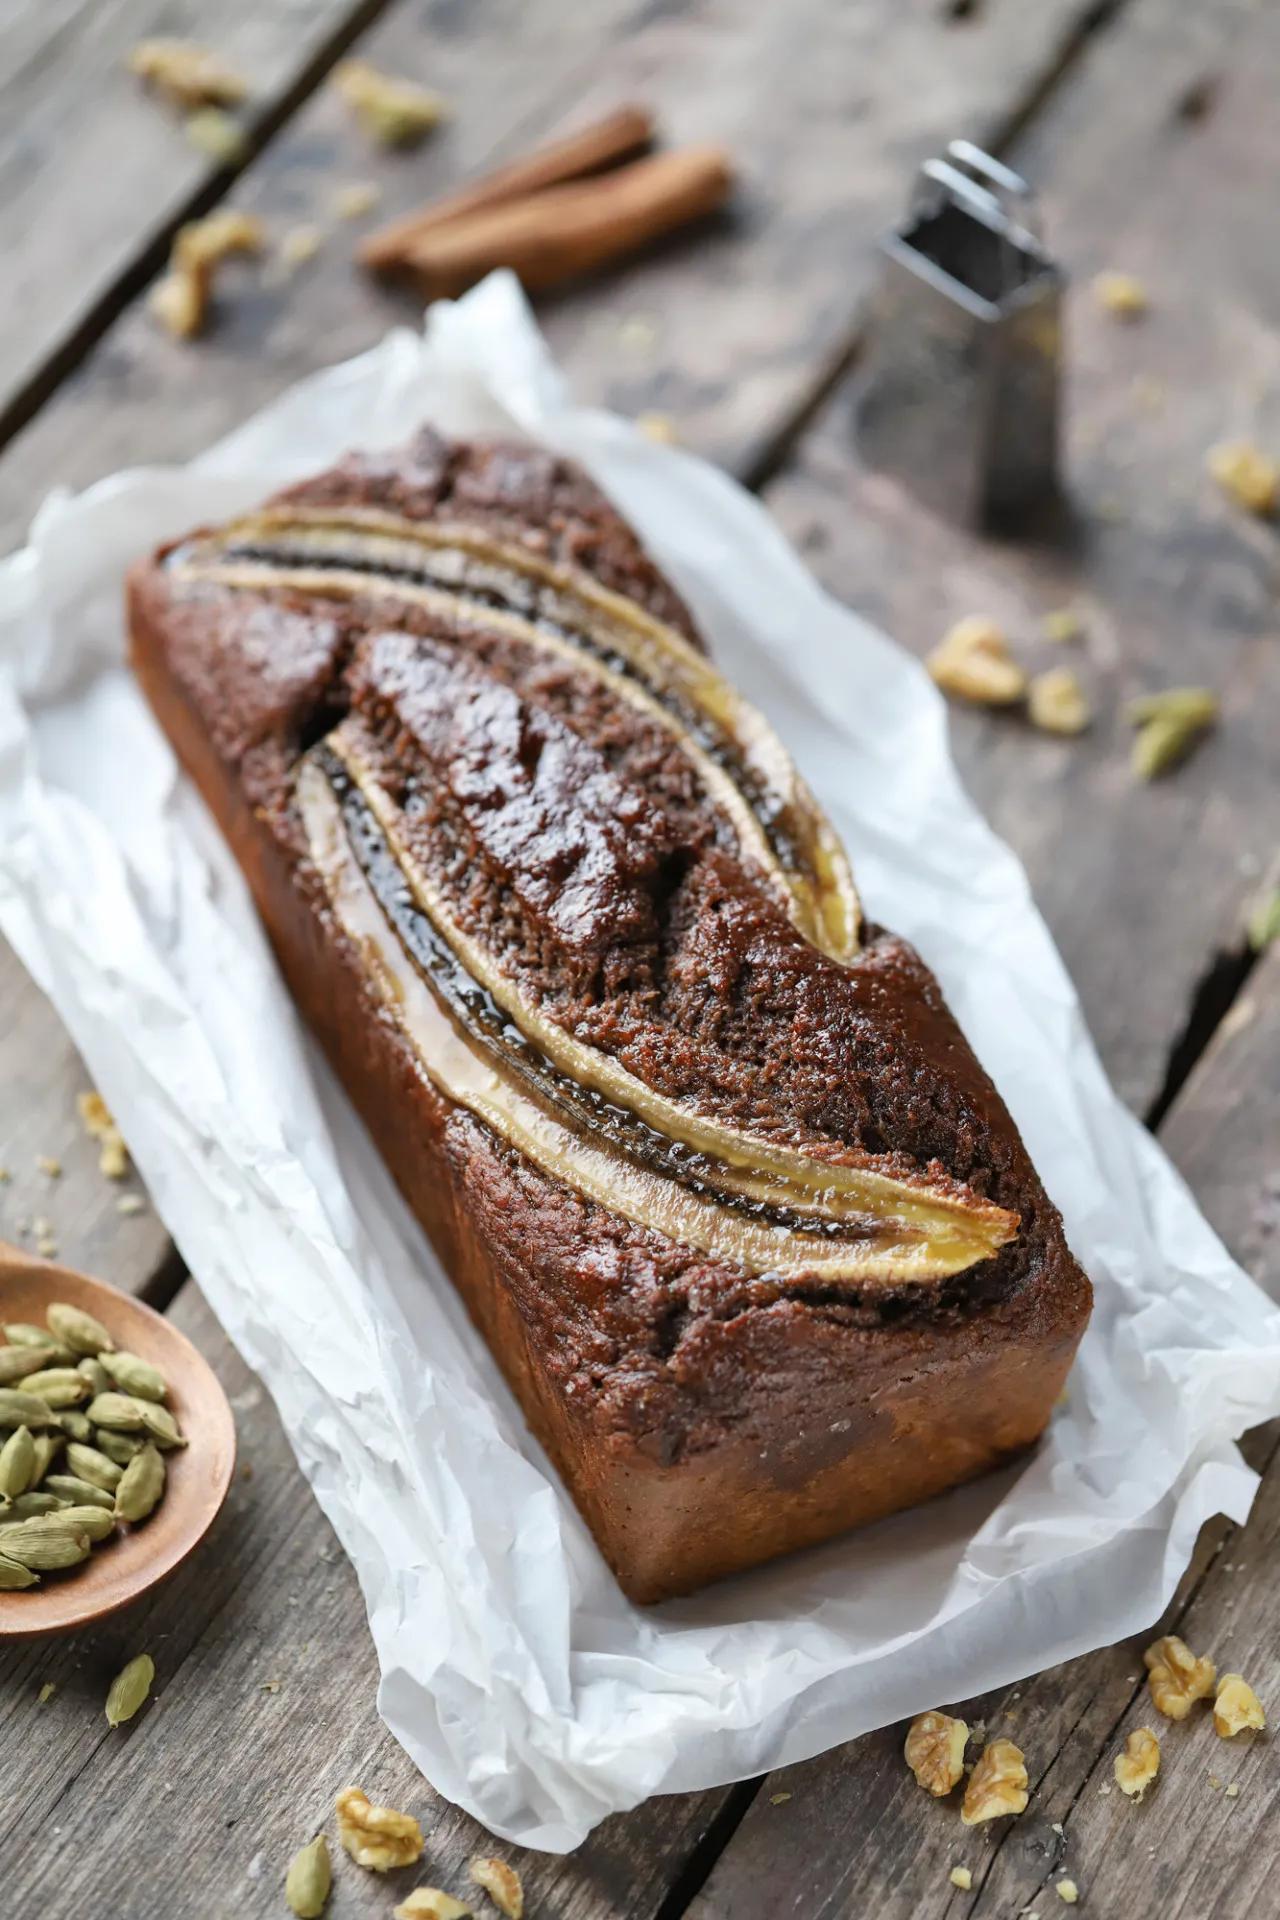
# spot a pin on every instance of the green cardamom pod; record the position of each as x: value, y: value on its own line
x: 140, y: 1487
x: 160, y: 1424
x: 80, y: 1493
x: 309, y: 1879
x: 77, y: 1329
x: 48, y: 1446
x: 129, y: 1689
x: 22, y: 1334
x: 14, y: 1576
x: 96, y: 1522
x: 95, y: 1373
x: 1169, y: 725
x: 43, y: 1547
x: 119, y: 1447
x: 18, y: 1360
x: 134, y: 1376
x: 60, y: 1386
x: 116, y: 1410
x: 27, y: 1505
x: 88, y: 1464
x: 19, y: 1409
x: 17, y: 1463
x: 76, y: 1425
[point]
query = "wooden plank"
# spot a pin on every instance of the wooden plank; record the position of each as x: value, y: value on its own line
x: 857, y: 1836
x: 38, y: 1121
x: 702, y: 329
x: 91, y: 173
x: 260, y: 1647
x: 1141, y: 885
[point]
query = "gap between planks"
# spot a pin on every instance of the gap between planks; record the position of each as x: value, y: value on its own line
x: 67, y: 354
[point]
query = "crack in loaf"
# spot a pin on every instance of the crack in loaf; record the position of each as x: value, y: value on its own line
x: 743, y: 1220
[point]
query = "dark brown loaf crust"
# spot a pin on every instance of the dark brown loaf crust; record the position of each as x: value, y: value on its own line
x: 705, y: 1415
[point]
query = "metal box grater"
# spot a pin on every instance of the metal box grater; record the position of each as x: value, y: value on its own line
x: 959, y: 393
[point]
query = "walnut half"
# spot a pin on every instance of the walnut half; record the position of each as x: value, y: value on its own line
x: 935, y: 1751
x: 376, y: 1837
x: 1139, y: 1764
x: 1236, y: 1706
x: 1177, y: 1679
x: 997, y: 1785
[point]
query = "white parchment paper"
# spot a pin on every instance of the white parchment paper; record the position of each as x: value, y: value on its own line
x: 523, y: 1684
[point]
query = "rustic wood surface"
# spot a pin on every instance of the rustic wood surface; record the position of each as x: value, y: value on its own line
x: 265, y: 1692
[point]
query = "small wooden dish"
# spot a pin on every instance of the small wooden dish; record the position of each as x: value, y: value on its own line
x: 122, y: 1569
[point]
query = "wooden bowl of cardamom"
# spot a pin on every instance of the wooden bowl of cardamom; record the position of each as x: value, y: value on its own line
x: 117, y: 1447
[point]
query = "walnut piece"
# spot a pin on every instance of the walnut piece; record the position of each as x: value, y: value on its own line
x: 395, y: 113
x: 95, y: 1118
x: 935, y: 1751
x: 181, y: 300
x: 376, y: 1837
x: 973, y: 662
x: 431, y: 1903
x: 501, y: 1883
x: 1056, y: 702
x: 1121, y: 294
x: 1177, y: 1679
x: 186, y: 75
x: 997, y: 1785
x: 1139, y: 1764
x: 1250, y: 476
x: 1236, y: 1706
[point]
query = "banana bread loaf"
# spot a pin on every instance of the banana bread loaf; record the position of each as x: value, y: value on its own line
x: 744, y: 1222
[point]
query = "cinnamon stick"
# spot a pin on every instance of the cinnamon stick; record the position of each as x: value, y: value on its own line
x: 621, y: 135
x: 569, y: 230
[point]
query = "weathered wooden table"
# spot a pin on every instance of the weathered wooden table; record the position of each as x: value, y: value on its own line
x: 1152, y: 130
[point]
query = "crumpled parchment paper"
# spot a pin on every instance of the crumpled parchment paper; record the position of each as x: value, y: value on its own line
x: 523, y: 1684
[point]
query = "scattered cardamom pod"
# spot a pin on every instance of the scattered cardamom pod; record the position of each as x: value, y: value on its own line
x: 92, y: 1370
x: 80, y: 1493
x: 76, y: 1425
x: 34, y: 1544
x: 88, y: 1464
x: 1264, y: 922
x: 19, y: 1409
x: 19, y: 1360
x: 77, y: 1329
x: 97, y: 1522
x: 119, y: 1447
x: 116, y: 1410
x: 48, y: 1446
x: 141, y: 1486
x: 17, y: 1463
x: 309, y: 1879
x: 134, y: 1376
x: 60, y: 1386
x: 160, y: 1424
x: 14, y: 1576
x: 1169, y: 724
x: 129, y: 1690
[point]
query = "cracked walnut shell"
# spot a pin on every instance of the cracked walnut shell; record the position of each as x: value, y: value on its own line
x: 997, y: 1785
x: 1236, y: 1706
x: 935, y: 1751
x: 1177, y: 1679
x: 376, y: 1837
x: 1139, y: 1764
